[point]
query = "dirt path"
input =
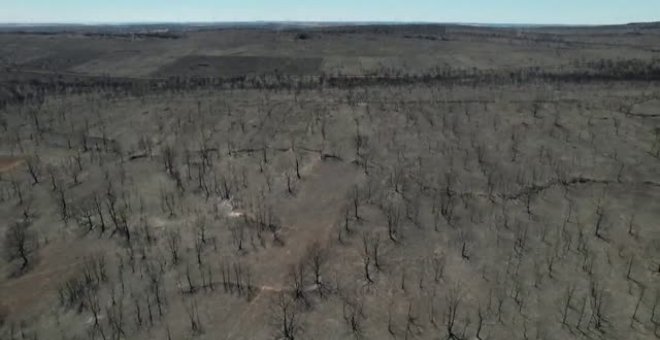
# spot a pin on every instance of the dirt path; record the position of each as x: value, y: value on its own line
x: 56, y: 262
x: 310, y: 216
x: 9, y: 163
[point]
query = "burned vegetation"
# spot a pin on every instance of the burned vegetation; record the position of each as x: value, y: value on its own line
x: 347, y: 196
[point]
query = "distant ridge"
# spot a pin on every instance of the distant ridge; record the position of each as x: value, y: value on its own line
x: 191, y: 26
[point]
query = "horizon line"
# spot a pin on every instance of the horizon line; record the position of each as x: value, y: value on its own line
x: 355, y: 22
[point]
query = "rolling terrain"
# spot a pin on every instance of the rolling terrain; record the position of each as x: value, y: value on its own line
x: 330, y: 182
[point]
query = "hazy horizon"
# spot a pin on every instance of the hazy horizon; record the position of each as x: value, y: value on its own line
x: 510, y: 12
x: 302, y: 23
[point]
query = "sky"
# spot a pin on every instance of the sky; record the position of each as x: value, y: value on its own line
x: 587, y: 12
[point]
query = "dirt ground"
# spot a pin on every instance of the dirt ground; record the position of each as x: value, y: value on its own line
x: 9, y: 163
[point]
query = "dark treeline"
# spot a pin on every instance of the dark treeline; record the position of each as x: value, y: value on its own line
x: 16, y: 91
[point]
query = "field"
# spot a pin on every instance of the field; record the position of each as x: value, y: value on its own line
x: 368, y: 182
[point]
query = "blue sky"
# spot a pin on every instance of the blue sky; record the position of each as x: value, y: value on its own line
x: 472, y: 11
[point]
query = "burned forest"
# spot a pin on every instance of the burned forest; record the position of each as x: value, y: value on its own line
x: 341, y: 182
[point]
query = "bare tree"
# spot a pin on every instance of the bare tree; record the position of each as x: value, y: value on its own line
x: 169, y: 158
x: 92, y: 302
x: 173, y: 239
x: 74, y: 169
x: 453, y: 298
x: 20, y: 243
x: 115, y: 317
x: 597, y: 299
x: 366, y: 260
x: 17, y: 187
x: 439, y: 264
x: 356, y: 202
x: 84, y: 215
x: 634, y: 317
x: 34, y: 168
x: 393, y: 222
x: 237, y: 230
x: 371, y: 252
x: 98, y: 205
x: 568, y: 297
x: 480, y: 321
x: 193, y: 317
x: 62, y: 203
x: 199, y: 250
x: 297, y: 277
x: 599, y: 222
x: 353, y: 311
x: 317, y: 257
x: 286, y: 317
x: 655, y: 313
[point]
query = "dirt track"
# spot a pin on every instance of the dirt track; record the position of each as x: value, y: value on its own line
x: 9, y: 163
